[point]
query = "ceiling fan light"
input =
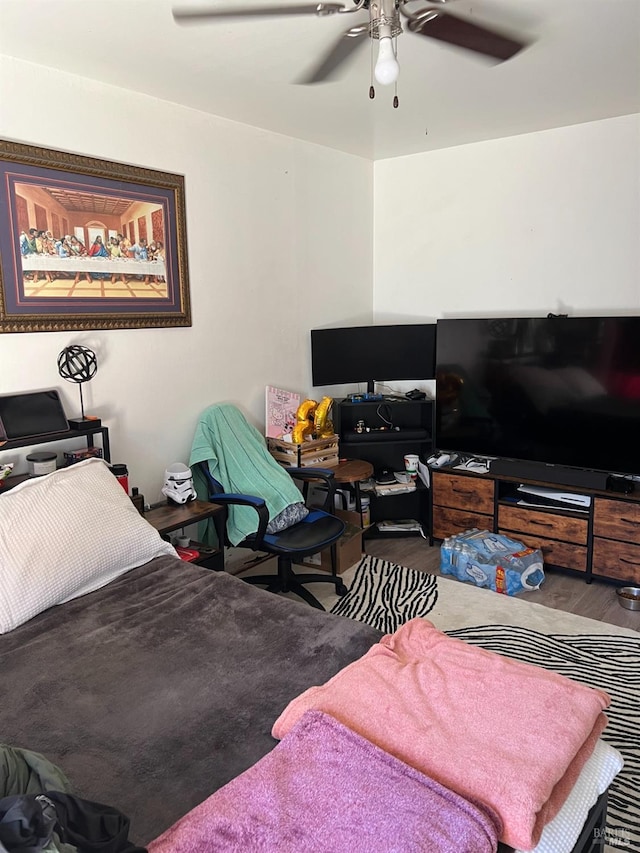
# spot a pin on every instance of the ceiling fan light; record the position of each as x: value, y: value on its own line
x: 387, y: 68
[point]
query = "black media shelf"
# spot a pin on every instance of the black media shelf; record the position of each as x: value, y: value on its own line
x: 387, y: 449
x: 63, y: 435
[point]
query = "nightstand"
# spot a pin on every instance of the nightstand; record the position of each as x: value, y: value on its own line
x: 167, y: 517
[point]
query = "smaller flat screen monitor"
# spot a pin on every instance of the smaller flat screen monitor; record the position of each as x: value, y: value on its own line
x: 32, y: 414
x: 373, y: 354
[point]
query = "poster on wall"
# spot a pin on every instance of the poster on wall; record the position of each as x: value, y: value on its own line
x: 89, y: 244
x: 280, y: 411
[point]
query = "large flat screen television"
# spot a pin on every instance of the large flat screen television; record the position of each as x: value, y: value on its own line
x: 373, y: 354
x: 557, y: 391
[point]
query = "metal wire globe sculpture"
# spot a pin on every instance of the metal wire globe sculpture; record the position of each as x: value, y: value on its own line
x: 78, y: 364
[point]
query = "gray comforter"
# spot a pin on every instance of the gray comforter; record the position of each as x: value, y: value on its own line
x: 156, y: 690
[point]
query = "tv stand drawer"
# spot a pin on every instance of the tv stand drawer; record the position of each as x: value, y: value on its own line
x: 563, y: 554
x: 465, y: 493
x: 618, y: 560
x: 617, y: 520
x: 549, y: 525
x: 447, y: 521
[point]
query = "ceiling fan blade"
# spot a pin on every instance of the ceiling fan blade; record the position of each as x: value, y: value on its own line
x: 462, y: 33
x: 339, y: 53
x: 187, y: 15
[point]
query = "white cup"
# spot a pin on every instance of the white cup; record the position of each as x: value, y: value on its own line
x: 411, y: 464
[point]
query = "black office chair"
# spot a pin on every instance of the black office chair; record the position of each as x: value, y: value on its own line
x: 320, y: 529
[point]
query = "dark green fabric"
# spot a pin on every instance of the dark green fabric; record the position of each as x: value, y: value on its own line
x: 25, y: 772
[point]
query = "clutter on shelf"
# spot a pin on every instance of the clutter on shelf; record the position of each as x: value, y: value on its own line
x: 400, y: 525
x: 383, y: 489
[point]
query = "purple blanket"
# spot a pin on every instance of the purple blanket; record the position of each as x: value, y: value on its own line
x: 326, y: 788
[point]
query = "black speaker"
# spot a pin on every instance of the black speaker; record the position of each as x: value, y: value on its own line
x: 579, y: 478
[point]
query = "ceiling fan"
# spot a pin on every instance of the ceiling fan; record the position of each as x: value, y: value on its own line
x: 384, y: 24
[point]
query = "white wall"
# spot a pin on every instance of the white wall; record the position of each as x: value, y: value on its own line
x: 543, y: 222
x: 279, y: 238
x: 285, y: 236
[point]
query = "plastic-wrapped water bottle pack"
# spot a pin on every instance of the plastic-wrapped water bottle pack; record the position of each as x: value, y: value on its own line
x: 492, y: 560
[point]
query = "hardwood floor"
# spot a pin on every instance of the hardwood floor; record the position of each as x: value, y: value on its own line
x: 560, y: 590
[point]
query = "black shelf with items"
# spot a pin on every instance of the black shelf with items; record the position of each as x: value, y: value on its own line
x: 382, y: 432
x: 64, y: 435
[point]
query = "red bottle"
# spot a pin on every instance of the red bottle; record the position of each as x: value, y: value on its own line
x: 121, y: 474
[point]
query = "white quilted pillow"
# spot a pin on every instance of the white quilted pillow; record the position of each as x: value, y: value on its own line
x: 66, y: 534
x: 560, y: 834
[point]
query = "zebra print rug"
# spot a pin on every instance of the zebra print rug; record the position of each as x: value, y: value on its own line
x: 386, y: 595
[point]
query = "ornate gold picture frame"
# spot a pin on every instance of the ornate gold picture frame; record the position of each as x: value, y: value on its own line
x: 89, y: 244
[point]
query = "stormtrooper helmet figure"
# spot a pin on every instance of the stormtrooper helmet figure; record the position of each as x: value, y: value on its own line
x: 178, y: 484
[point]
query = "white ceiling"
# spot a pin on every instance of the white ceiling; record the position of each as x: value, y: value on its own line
x: 583, y: 65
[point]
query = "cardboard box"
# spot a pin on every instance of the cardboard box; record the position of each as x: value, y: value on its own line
x: 350, y: 517
x: 343, y: 498
x: 349, y: 550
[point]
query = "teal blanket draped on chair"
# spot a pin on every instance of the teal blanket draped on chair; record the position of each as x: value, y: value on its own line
x: 239, y: 460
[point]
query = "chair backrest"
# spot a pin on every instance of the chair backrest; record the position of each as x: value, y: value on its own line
x: 215, y: 488
x: 237, y: 457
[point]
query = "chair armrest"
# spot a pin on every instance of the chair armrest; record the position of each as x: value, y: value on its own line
x: 325, y: 474
x: 311, y: 473
x: 216, y: 495
x: 231, y: 499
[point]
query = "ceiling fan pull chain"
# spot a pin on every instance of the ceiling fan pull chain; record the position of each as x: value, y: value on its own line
x: 396, y: 102
x: 372, y: 91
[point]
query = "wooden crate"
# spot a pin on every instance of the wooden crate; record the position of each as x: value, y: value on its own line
x: 318, y: 453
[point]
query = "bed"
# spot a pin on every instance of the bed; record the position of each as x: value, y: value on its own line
x: 150, y: 682
x: 162, y: 685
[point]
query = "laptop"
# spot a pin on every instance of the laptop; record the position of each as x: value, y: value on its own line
x: 31, y: 415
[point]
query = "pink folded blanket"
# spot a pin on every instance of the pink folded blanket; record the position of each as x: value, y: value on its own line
x: 509, y: 734
x: 325, y: 789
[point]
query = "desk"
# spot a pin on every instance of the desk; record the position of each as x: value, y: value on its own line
x: 352, y: 471
x: 167, y: 517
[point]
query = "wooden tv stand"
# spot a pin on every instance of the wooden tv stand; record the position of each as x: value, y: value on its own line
x: 603, y: 542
